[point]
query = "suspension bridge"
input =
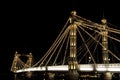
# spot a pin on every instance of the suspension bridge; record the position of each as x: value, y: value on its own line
x: 81, y: 46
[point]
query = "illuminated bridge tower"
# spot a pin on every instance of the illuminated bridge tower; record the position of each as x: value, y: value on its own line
x: 29, y: 64
x: 105, y: 42
x: 15, y: 61
x: 30, y: 60
x: 72, y: 64
x: 107, y: 75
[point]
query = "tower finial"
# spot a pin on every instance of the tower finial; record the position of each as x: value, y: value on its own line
x: 103, y: 20
x: 16, y: 52
x: 73, y: 13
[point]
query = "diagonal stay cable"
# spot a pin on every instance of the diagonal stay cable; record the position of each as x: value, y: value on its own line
x: 86, y: 46
x: 102, y: 45
x: 88, y: 42
x: 60, y: 48
x: 53, y: 43
x: 57, y: 43
x: 66, y: 50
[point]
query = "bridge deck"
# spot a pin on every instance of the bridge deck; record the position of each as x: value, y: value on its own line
x: 115, y: 68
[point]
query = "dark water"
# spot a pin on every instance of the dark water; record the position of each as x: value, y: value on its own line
x: 40, y: 76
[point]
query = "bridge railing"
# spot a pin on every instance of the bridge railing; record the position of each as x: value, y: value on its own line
x: 115, y: 67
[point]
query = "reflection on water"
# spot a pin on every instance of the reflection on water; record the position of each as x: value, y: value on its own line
x: 41, y: 76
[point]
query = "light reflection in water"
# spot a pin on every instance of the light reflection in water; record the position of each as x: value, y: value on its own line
x: 39, y: 77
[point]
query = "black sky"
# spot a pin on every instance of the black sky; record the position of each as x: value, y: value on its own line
x: 32, y: 26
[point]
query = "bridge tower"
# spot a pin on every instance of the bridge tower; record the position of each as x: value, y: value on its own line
x: 15, y: 60
x: 29, y: 64
x: 30, y: 60
x: 105, y: 42
x: 19, y: 64
x: 105, y: 56
x: 72, y: 64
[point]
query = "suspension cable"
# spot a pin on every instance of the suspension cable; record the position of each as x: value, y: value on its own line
x: 66, y: 50
x: 88, y: 21
x: 103, y: 46
x: 113, y: 30
x: 60, y: 48
x: 91, y: 40
x: 86, y: 46
x: 58, y: 42
x: 53, y: 43
x: 88, y: 41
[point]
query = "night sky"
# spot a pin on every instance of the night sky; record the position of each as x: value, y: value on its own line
x: 33, y: 26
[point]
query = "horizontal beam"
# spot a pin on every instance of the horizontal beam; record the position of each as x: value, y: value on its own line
x: 115, y: 68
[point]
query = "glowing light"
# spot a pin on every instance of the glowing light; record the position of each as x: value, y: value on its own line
x: 58, y: 68
x: 73, y: 33
x: 73, y: 44
x: 104, y: 21
x: 114, y: 69
x: 86, y: 68
x: 82, y: 67
x: 71, y: 66
x: 31, y: 69
x: 101, y: 69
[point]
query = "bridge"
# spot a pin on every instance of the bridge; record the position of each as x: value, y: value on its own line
x: 101, y: 68
x: 81, y: 46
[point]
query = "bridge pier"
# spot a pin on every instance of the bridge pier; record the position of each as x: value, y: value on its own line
x: 49, y: 76
x: 107, y: 76
x: 72, y: 76
x: 15, y: 76
x: 29, y: 74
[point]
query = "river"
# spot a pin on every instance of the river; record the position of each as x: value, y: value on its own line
x: 39, y: 76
